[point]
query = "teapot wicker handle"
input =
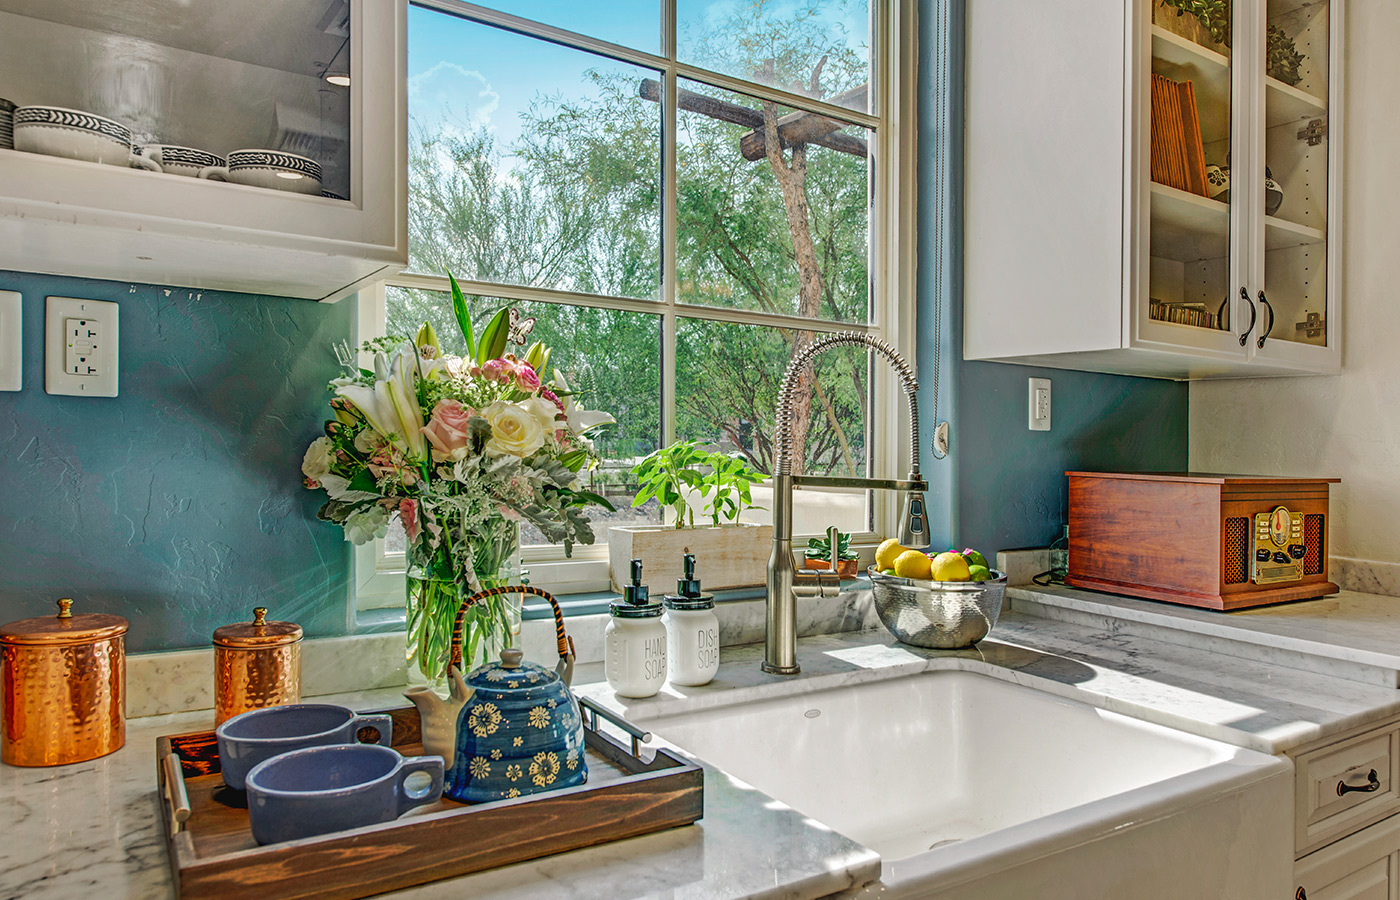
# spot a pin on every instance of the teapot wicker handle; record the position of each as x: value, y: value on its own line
x: 564, y: 642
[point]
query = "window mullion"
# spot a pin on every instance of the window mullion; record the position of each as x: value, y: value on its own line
x: 668, y: 229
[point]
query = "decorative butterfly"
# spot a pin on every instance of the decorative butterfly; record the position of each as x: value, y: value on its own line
x: 519, y: 328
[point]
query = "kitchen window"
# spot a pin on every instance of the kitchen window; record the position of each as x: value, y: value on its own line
x: 604, y: 169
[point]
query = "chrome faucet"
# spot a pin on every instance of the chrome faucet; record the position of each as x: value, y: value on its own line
x: 787, y: 583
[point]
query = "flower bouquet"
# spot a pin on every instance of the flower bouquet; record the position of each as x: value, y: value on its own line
x: 461, y: 449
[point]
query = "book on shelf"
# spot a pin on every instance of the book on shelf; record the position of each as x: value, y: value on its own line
x: 1194, y: 314
x: 1177, y: 151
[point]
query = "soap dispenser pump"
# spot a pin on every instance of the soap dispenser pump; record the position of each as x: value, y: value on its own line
x: 634, y: 643
x: 692, y: 630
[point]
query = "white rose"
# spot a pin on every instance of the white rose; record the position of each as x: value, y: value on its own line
x: 316, y: 464
x: 543, y: 410
x: 515, y: 431
x: 364, y: 525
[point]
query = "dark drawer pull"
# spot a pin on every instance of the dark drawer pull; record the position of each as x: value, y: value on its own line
x: 1301, y: 895
x: 1373, y: 784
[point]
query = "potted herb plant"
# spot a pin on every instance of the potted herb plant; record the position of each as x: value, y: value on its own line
x: 818, y: 555
x: 694, y: 484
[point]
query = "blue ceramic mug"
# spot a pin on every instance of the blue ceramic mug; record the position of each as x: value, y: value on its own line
x: 323, y: 789
x: 258, y: 734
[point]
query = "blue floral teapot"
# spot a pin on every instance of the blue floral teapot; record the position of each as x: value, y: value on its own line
x: 510, y: 728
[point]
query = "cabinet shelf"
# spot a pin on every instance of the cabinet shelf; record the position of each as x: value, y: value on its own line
x: 1285, y: 103
x: 1281, y: 233
x: 1180, y: 59
x: 1188, y: 227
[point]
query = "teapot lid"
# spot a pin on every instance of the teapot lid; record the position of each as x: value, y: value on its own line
x: 512, y: 672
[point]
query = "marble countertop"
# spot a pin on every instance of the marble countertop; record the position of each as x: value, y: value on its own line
x: 1348, y: 634
x: 94, y: 826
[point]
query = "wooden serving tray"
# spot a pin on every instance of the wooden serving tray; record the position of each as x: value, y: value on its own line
x: 213, y: 854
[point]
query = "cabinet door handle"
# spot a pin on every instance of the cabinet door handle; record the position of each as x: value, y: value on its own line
x: 1265, y: 301
x: 1253, y: 316
x: 1373, y: 784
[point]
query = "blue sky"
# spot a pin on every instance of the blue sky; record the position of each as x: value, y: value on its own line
x: 466, y: 75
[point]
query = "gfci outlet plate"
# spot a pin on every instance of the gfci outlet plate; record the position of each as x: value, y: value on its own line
x: 80, y: 347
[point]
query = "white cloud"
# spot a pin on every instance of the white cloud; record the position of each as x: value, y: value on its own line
x: 449, y: 96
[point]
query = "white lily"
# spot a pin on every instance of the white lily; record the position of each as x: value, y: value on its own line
x: 580, y: 419
x: 391, y: 406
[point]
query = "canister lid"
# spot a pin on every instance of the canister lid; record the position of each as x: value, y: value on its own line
x: 257, y: 633
x: 64, y: 629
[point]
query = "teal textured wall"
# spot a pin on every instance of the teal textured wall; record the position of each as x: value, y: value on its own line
x: 177, y: 504
x: 1003, y: 485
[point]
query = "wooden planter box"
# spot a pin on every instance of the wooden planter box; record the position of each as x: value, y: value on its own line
x: 846, y: 568
x: 726, y: 556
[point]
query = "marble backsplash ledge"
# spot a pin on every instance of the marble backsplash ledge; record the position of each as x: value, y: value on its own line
x: 1366, y: 576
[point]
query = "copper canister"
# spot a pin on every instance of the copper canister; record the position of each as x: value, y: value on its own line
x: 256, y: 664
x: 63, y: 683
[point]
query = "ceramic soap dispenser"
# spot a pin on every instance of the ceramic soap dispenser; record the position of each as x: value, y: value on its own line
x: 692, y: 631
x: 634, y: 643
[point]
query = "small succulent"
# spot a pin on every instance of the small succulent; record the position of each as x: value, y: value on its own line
x: 1213, y: 14
x: 819, y: 548
x: 1284, y: 60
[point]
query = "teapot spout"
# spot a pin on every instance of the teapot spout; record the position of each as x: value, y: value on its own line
x: 439, y: 716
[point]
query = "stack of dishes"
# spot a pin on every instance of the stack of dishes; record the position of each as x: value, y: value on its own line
x: 7, y: 124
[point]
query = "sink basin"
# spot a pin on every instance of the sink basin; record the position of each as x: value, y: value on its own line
x: 952, y: 775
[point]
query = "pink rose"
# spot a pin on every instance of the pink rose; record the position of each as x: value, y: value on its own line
x: 501, y: 370
x: 526, y: 379
x: 447, y: 430
x: 408, y: 515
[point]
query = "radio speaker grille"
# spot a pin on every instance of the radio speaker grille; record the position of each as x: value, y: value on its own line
x: 1312, y: 540
x: 1236, y: 550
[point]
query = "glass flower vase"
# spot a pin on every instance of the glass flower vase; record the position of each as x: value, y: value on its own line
x: 437, y: 586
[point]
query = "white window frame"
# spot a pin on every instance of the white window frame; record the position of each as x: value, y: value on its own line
x: 380, y: 576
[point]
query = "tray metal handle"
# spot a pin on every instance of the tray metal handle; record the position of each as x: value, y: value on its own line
x: 590, y: 711
x: 176, y: 797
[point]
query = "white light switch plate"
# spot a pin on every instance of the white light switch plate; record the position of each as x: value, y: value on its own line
x: 80, y: 347
x: 11, y: 345
x: 1040, y: 404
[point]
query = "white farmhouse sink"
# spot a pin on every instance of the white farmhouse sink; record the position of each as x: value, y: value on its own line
x: 957, y: 778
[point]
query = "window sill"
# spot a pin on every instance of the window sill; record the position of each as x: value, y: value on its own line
x: 582, y: 603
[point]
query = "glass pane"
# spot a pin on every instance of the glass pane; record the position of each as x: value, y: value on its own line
x: 1189, y: 281
x: 241, y: 76
x: 612, y: 359
x: 727, y: 380
x: 630, y: 23
x: 817, y: 48
x: 1295, y: 189
x: 530, y: 163
x: 742, y: 238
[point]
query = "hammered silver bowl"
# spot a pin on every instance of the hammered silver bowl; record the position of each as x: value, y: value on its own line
x: 941, y: 615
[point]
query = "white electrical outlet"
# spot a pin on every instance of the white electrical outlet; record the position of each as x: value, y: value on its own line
x: 1040, y: 404
x: 11, y: 345
x: 80, y: 347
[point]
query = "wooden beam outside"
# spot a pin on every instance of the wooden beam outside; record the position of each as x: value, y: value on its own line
x: 796, y: 128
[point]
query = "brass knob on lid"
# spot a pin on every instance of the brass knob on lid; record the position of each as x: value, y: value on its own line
x: 260, y: 615
x: 511, y: 657
x: 65, y: 608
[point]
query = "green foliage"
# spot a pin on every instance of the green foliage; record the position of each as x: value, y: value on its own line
x: 724, y: 481
x: 463, y: 316
x: 1213, y: 14
x: 493, y: 337
x: 1284, y: 60
x: 820, y: 548
x: 575, y: 204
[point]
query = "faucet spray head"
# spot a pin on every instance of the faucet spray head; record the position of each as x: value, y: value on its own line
x: 913, y: 522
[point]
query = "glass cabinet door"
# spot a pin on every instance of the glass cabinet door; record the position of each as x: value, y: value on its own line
x: 186, y: 87
x: 1293, y: 305
x: 1191, y: 130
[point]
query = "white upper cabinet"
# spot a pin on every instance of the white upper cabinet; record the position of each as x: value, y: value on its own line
x: 1154, y: 193
x: 315, y: 87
